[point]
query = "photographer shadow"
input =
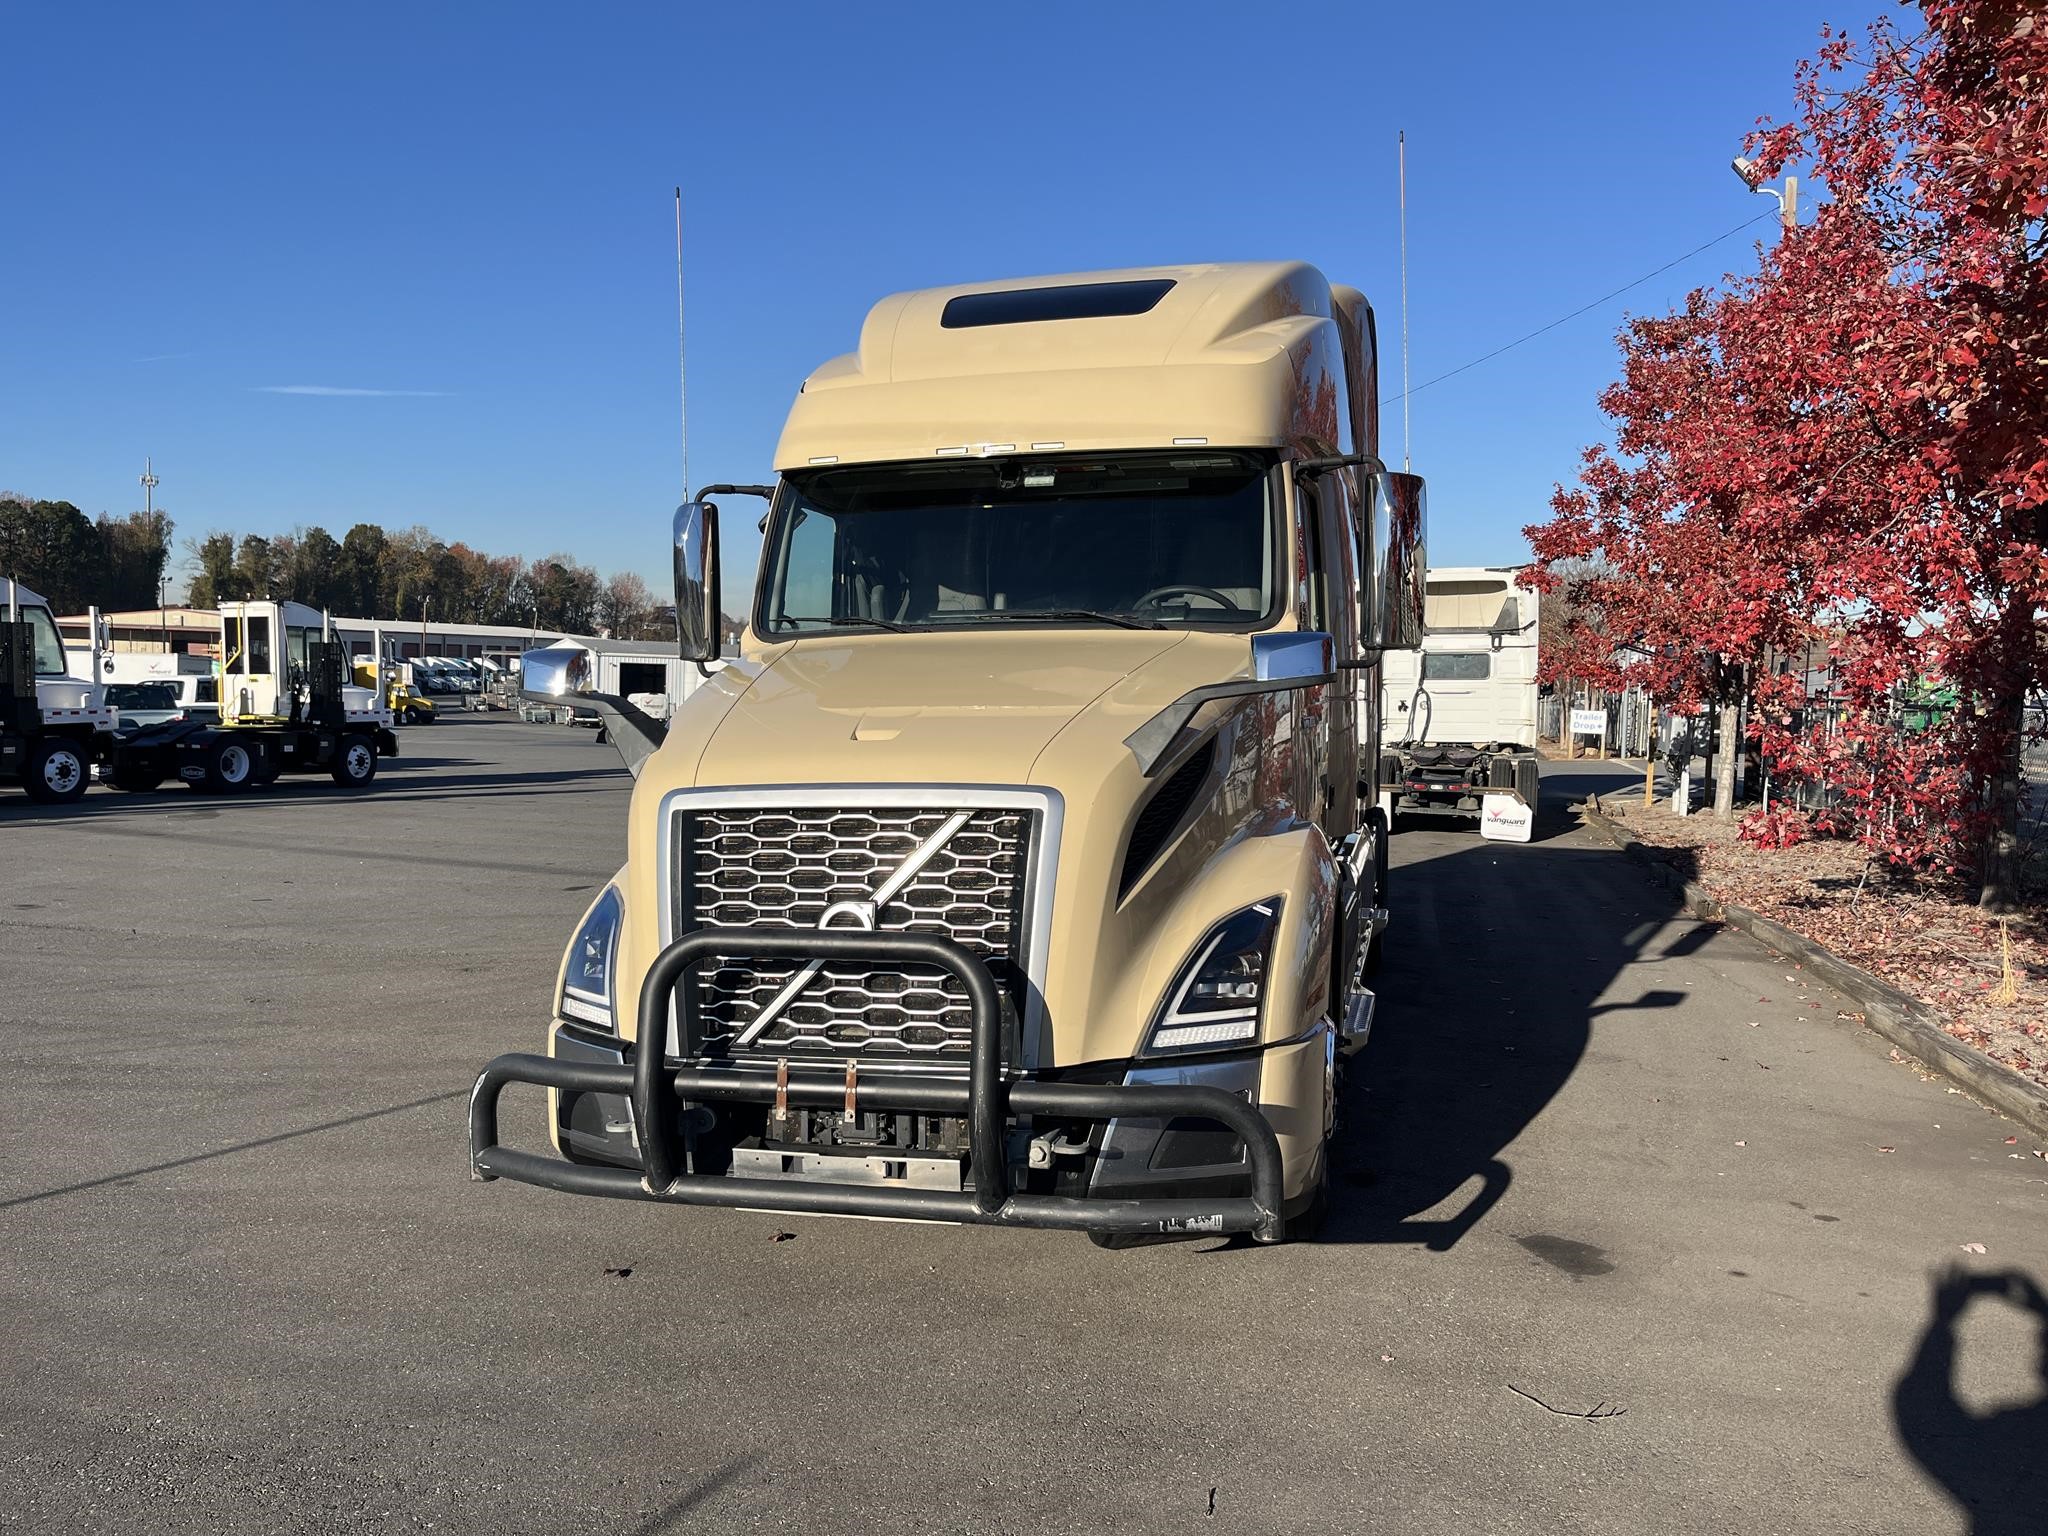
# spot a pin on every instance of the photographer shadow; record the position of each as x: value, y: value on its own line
x: 1994, y: 1465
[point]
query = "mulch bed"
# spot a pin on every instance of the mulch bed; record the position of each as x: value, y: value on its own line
x: 1929, y: 944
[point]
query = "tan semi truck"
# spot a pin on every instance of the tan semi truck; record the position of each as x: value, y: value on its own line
x: 1026, y: 864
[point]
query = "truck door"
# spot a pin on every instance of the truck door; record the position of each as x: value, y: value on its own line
x: 249, y: 659
x: 1328, y: 517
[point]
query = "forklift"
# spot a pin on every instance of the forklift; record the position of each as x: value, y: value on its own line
x: 286, y: 707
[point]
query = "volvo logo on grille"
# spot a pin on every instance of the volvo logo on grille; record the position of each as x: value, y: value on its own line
x: 855, y: 914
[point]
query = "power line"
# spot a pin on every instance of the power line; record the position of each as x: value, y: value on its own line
x: 1583, y: 308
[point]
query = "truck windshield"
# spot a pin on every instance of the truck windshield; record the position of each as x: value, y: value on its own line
x: 49, y: 645
x: 1132, y: 541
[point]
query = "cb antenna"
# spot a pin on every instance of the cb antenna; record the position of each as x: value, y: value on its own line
x: 1403, y: 304
x: 682, y: 372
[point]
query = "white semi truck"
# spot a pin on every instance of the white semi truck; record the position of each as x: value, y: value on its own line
x: 1460, y: 712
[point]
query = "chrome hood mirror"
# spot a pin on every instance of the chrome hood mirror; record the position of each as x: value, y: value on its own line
x: 562, y: 674
x: 556, y: 672
x: 699, y: 617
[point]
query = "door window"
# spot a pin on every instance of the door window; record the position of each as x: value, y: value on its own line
x: 259, y: 645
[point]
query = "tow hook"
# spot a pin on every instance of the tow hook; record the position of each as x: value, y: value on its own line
x: 1051, y: 1145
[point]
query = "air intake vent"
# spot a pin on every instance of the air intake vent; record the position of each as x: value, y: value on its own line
x: 1163, y: 814
x: 1070, y: 301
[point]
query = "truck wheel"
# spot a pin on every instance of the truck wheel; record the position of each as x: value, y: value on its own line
x: 56, y: 773
x: 1528, y: 779
x: 355, y: 762
x: 229, y: 764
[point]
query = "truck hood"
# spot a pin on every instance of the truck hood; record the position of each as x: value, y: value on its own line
x: 959, y: 708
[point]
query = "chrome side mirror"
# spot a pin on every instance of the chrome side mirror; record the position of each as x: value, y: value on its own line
x: 1400, y: 517
x: 557, y: 672
x: 699, y: 616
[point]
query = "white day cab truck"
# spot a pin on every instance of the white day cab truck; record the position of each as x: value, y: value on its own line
x: 1025, y: 865
x: 1459, y: 711
x: 53, y: 726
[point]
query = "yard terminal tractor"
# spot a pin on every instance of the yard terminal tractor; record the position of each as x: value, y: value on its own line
x: 283, y: 706
x: 53, y: 726
x: 1026, y: 865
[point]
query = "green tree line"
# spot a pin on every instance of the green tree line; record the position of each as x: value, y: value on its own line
x: 116, y: 563
x: 75, y: 561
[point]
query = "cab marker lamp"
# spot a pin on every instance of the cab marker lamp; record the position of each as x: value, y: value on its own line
x: 1218, y: 995
x: 587, y: 978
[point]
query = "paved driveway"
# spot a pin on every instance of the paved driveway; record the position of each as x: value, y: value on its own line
x: 1599, y: 1154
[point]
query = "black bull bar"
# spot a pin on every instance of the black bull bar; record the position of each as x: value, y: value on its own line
x: 657, y: 1089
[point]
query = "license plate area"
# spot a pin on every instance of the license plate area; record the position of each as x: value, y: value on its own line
x: 883, y: 1171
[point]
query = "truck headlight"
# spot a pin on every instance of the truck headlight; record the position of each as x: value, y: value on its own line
x: 587, y: 977
x: 1217, y: 998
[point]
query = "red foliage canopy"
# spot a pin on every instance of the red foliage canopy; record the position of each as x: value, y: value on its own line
x: 1845, y: 454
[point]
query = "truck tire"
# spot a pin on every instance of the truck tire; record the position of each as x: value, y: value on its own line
x: 56, y: 771
x: 355, y: 762
x: 228, y: 765
x: 1528, y: 779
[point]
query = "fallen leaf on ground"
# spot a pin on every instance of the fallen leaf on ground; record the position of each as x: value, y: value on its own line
x: 1973, y: 1247
x: 1742, y: 1143
x: 2012, y: 1141
x: 783, y: 1237
x: 622, y: 1271
x: 1887, y: 1149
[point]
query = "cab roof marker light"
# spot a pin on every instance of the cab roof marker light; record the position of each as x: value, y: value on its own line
x: 1046, y: 447
x: 824, y: 458
x: 1191, y: 442
x: 987, y: 449
x: 953, y: 453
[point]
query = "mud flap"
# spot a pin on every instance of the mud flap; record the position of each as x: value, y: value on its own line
x: 1505, y: 817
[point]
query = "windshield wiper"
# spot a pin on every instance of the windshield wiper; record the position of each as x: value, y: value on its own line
x: 1056, y: 615
x: 784, y: 620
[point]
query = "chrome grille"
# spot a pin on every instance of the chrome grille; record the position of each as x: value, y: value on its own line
x: 786, y: 867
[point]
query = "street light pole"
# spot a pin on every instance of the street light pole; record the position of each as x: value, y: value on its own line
x: 1788, y: 200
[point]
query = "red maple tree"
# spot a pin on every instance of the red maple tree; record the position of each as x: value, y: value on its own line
x: 1845, y: 453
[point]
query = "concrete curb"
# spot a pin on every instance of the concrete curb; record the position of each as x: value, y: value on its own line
x: 1905, y: 1021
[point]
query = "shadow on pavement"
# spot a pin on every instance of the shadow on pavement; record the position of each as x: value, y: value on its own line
x: 1495, y: 968
x: 1994, y: 1465
x: 666, y: 1518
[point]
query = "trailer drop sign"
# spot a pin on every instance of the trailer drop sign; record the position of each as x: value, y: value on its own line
x: 1589, y: 722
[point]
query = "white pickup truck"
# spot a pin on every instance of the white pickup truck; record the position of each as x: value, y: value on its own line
x: 1459, y: 714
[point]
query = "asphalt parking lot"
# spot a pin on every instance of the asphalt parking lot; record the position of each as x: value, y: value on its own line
x: 1600, y: 1156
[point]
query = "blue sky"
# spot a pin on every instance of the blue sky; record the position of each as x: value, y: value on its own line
x: 465, y: 211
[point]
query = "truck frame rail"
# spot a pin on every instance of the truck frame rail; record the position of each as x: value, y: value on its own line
x: 659, y: 1088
